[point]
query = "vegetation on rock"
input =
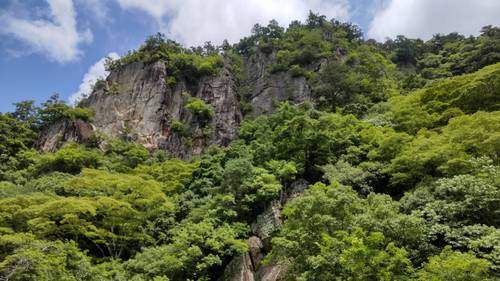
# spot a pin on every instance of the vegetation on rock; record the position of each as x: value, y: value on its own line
x: 399, y: 145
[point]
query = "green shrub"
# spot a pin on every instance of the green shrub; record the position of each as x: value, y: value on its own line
x: 297, y: 71
x: 441, y: 100
x: 181, y: 64
x: 56, y: 112
x: 113, y: 89
x: 179, y: 127
x: 450, y: 265
x: 203, y: 112
x: 277, y: 67
x: 69, y: 159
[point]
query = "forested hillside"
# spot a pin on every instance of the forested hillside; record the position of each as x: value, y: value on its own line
x: 385, y: 166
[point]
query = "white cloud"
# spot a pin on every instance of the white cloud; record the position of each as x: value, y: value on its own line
x: 192, y: 22
x: 56, y: 37
x: 95, y: 72
x: 95, y: 10
x: 424, y: 18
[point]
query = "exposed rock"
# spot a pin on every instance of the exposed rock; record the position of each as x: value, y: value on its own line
x: 135, y: 103
x: 239, y: 269
x: 255, y: 247
x: 271, y: 272
x: 297, y: 188
x: 266, y: 90
x: 131, y: 103
x: 268, y: 222
x: 220, y: 92
x: 243, y: 267
x: 54, y: 137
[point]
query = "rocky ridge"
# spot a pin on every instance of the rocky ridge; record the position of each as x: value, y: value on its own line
x: 135, y: 103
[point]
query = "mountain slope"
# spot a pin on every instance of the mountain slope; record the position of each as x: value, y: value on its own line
x: 304, y: 153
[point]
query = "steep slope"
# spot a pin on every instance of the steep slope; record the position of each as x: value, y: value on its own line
x: 136, y: 103
x: 265, y: 91
x: 368, y: 181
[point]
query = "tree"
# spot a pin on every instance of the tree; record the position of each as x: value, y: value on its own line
x: 358, y: 256
x: 450, y: 265
x: 331, y: 232
x: 27, y: 113
x: 23, y: 257
x: 194, y: 250
x: 15, y: 136
x: 315, y: 20
x: 407, y: 51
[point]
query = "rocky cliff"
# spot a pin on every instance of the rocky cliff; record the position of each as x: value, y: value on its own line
x: 266, y: 91
x: 62, y: 132
x: 135, y: 103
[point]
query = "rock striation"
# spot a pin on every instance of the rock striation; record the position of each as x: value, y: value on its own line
x: 135, y: 103
x: 54, y: 137
x: 266, y: 90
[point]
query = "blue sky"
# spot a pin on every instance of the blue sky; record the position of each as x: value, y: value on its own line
x: 49, y: 46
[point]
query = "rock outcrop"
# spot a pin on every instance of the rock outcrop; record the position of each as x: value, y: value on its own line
x: 249, y: 267
x: 268, y: 223
x: 266, y: 90
x: 135, y: 103
x: 130, y: 103
x: 55, y: 136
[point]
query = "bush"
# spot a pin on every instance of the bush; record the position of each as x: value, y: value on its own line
x: 297, y: 71
x: 450, y: 265
x: 70, y: 159
x: 52, y: 113
x: 202, y: 111
x: 180, y: 63
x: 179, y: 127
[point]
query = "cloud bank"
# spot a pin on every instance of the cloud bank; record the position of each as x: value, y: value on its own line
x: 424, y: 18
x: 55, y: 37
x: 193, y: 22
x: 95, y: 72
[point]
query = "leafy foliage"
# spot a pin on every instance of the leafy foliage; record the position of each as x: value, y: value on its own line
x: 390, y: 172
x: 202, y: 111
x: 181, y: 64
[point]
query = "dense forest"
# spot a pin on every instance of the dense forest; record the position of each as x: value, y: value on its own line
x: 398, y: 151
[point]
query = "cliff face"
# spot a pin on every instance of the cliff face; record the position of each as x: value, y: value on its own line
x: 131, y: 103
x: 266, y: 90
x: 135, y: 103
x: 62, y: 132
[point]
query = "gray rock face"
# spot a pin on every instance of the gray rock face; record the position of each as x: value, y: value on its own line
x: 239, y: 269
x: 135, y: 103
x: 62, y: 132
x: 268, y: 222
x: 220, y: 92
x: 271, y: 272
x: 248, y: 267
x: 243, y: 267
x: 266, y: 90
x: 131, y: 103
